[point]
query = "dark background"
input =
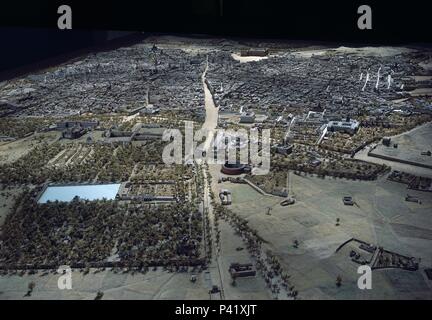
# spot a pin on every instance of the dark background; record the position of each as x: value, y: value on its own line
x: 28, y: 29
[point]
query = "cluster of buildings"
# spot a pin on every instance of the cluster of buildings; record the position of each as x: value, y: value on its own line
x: 128, y: 192
x: 379, y: 258
x: 348, y: 126
x: 345, y: 85
x: 125, y: 80
x: 312, y: 127
x: 74, y: 129
x: 260, y: 52
x: 8, y: 108
x: 140, y: 132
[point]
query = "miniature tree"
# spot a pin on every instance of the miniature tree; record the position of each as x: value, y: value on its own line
x: 99, y: 295
x: 193, y: 278
x: 31, y: 286
x: 338, y: 281
x: 234, y: 282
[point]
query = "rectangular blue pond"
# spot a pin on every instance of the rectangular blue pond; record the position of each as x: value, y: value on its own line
x: 85, y: 192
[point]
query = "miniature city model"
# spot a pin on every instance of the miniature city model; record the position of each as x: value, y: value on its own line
x: 84, y: 186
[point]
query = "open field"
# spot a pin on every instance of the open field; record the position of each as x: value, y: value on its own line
x: 380, y: 216
x: 152, y: 285
x: 155, y: 284
x: 100, y: 119
x: 410, y: 146
x: 12, y: 151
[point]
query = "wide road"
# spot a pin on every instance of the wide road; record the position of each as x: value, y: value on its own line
x: 210, y: 124
x: 212, y: 112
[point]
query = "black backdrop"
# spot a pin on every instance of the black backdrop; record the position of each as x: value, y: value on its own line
x: 394, y: 22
